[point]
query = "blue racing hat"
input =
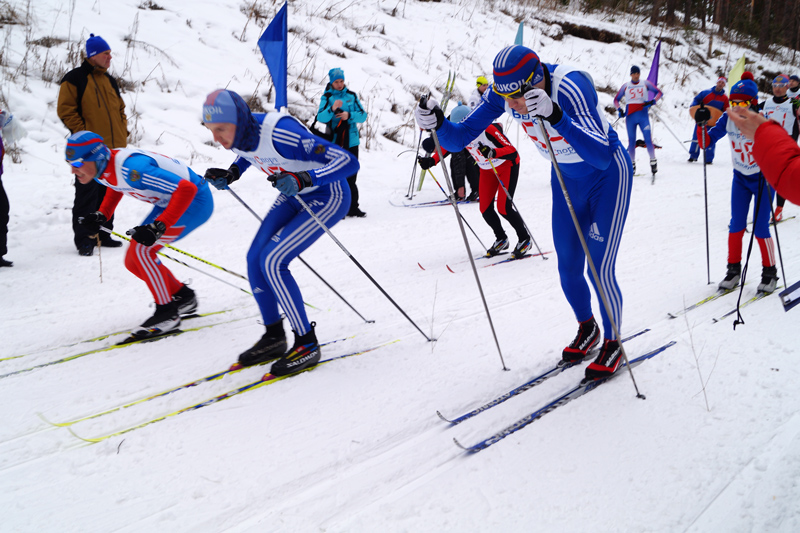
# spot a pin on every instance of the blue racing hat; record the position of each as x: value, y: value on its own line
x: 85, y: 146
x: 219, y: 107
x: 514, y: 68
x: 635, y: 70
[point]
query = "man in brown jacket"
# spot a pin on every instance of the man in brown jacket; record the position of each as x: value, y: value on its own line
x: 89, y: 99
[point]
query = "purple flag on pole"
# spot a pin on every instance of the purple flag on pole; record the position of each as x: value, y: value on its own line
x: 652, y: 77
x: 272, y: 44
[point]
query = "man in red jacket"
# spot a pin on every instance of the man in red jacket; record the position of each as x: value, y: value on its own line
x: 776, y: 153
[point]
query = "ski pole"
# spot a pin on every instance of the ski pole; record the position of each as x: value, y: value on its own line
x: 302, y: 261
x: 459, y: 213
x: 328, y: 231
x: 162, y: 254
x: 466, y: 242
x: 209, y: 263
x: 705, y: 194
x: 508, y: 195
x: 655, y: 114
x: 578, y: 230
x: 410, y: 193
x: 99, y: 254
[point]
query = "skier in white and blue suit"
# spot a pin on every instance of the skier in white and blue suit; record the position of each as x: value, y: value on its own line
x: 298, y: 163
x: 596, y: 169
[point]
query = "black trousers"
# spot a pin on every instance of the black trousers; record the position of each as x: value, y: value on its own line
x: 4, y: 209
x: 352, y: 182
x: 473, y: 174
x: 87, y: 200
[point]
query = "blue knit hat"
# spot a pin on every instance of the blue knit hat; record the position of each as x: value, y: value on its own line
x: 87, y: 146
x: 514, y: 67
x: 745, y: 90
x: 635, y: 70
x: 95, y: 45
x: 336, y: 74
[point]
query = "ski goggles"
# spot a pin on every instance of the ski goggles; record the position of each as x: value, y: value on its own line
x: 76, y: 163
x: 740, y: 103
x: 519, y: 92
x: 779, y: 84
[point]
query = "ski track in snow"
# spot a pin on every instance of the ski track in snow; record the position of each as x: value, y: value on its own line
x: 356, y: 445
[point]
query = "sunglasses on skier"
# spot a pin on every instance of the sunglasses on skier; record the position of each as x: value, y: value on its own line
x: 519, y: 92
x: 76, y: 163
x: 780, y: 85
x: 740, y: 103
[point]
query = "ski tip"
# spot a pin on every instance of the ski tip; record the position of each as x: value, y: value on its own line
x: 422, y: 267
x: 443, y: 418
x: 84, y: 439
x: 54, y: 424
x: 450, y: 269
x: 466, y: 449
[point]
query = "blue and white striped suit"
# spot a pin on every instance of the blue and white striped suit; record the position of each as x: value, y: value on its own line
x: 597, y: 172
x: 286, y: 145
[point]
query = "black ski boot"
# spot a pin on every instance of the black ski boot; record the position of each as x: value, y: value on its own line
x: 732, y: 277
x: 164, y: 320
x: 272, y: 345
x: 653, y: 166
x: 185, y: 300
x: 769, y: 279
x: 521, y: 248
x: 587, y: 337
x: 607, y: 362
x: 304, y: 354
x: 498, y: 246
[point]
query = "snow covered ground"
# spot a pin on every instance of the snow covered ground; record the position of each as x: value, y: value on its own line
x: 356, y: 445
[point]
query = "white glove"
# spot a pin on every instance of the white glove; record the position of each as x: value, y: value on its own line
x: 539, y: 103
x: 427, y: 118
x: 12, y: 129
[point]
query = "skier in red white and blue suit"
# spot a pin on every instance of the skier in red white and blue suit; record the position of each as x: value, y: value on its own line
x: 596, y: 169
x: 748, y: 183
x: 637, y: 107
x: 713, y: 98
x: 299, y: 164
x: 181, y: 203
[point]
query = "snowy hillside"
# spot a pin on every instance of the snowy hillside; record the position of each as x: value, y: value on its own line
x: 355, y: 445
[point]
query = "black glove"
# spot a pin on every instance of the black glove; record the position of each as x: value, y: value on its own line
x: 649, y: 102
x: 621, y: 112
x: 426, y: 162
x: 291, y: 183
x: 702, y: 115
x: 428, y: 145
x: 92, y: 221
x: 485, y: 151
x: 149, y: 234
x: 221, y: 178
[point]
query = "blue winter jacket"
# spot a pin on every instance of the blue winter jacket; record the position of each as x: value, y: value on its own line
x: 350, y: 103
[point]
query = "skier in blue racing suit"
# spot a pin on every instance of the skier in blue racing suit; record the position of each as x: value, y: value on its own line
x: 596, y: 169
x: 299, y: 164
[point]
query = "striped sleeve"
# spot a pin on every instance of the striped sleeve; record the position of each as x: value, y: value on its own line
x: 581, y: 124
x: 293, y: 141
x: 620, y: 93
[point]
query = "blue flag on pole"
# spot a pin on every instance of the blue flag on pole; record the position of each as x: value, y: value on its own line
x: 518, y: 40
x: 652, y: 77
x: 272, y: 44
